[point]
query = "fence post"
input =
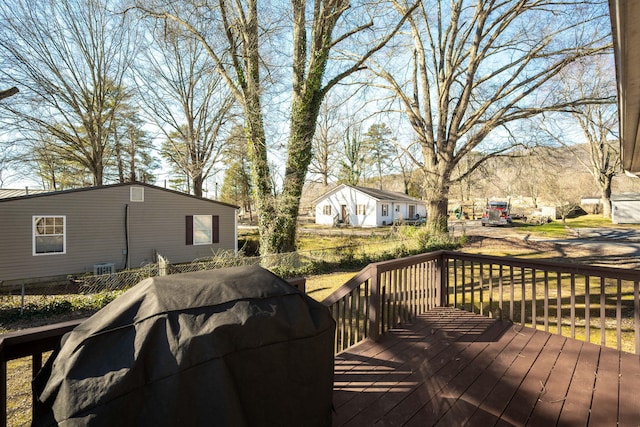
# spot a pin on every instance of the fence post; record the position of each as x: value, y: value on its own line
x: 163, y: 266
x: 374, y: 304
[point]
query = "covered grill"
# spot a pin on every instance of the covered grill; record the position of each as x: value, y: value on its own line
x: 234, y: 347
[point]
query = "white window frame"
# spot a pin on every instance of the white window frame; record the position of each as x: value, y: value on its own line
x: 199, y: 225
x: 385, y: 209
x: 136, y: 194
x: 34, y: 220
x: 326, y: 210
x: 361, y: 209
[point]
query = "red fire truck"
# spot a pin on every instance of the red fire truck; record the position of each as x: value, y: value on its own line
x: 496, y: 213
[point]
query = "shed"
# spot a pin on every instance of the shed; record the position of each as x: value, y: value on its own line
x: 366, y: 207
x: 108, y: 228
x: 231, y: 347
x: 625, y: 208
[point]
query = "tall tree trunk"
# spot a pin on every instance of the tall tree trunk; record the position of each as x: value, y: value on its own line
x: 303, y: 122
x: 97, y: 172
x: 132, y: 157
x: 438, y: 200
x: 605, y: 197
x: 437, y: 219
x: 118, y: 152
x: 197, y: 185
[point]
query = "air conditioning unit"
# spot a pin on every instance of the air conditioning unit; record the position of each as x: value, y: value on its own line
x: 103, y: 268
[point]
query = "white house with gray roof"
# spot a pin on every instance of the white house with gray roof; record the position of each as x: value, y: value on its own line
x: 366, y: 207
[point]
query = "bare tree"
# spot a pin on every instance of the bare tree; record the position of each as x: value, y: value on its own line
x: 187, y: 100
x: 321, y: 32
x: 353, y: 162
x: 69, y: 59
x: 598, y: 122
x: 325, y: 143
x: 560, y: 186
x: 405, y: 166
x: 476, y: 68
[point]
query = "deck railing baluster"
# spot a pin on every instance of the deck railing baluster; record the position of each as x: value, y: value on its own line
x: 490, y: 309
x: 464, y: 283
x: 523, y: 298
x: 546, y: 301
x: 619, y: 314
x: 636, y: 312
x: 473, y: 291
x: 603, y: 318
x: 587, y: 308
x: 512, y: 289
x: 481, y: 287
x: 534, y: 300
x: 500, y: 292
x: 559, y: 303
x: 573, y: 306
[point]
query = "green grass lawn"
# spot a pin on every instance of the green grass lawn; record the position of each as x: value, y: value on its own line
x: 321, y: 286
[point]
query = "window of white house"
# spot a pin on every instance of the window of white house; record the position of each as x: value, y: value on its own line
x: 202, y: 231
x: 385, y: 210
x: 49, y: 235
x: 412, y: 211
x: 360, y: 209
x: 326, y: 210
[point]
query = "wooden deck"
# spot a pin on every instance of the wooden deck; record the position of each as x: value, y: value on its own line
x: 454, y: 368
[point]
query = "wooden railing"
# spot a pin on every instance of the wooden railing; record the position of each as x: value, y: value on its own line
x: 594, y: 304
x: 384, y: 294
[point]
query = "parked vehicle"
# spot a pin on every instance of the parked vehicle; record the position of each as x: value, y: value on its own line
x: 496, y: 213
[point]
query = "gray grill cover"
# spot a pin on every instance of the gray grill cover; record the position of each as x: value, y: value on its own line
x: 231, y: 347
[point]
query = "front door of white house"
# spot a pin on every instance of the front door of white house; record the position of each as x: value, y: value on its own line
x: 343, y: 212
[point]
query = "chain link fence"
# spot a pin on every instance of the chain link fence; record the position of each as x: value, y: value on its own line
x: 287, y: 264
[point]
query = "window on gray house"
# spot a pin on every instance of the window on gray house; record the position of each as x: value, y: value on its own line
x: 49, y: 235
x: 385, y: 210
x: 202, y: 229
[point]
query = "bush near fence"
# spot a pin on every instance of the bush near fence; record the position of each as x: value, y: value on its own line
x: 287, y: 265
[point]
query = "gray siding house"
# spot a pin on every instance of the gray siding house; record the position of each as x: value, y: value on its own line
x: 115, y: 226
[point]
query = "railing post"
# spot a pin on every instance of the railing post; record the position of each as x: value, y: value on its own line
x: 442, y: 279
x: 374, y: 305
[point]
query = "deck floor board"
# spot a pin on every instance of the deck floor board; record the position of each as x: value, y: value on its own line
x: 452, y: 368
